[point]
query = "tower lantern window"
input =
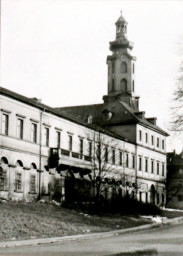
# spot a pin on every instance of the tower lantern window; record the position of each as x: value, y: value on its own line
x: 123, y: 67
x: 113, y: 85
x: 124, y: 85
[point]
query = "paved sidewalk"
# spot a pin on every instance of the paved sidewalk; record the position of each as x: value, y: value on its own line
x: 88, y: 236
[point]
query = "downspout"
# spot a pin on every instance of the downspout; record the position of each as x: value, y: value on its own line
x: 123, y: 159
x: 136, y: 185
x: 40, y: 151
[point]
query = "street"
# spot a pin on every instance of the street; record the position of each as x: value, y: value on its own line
x: 167, y: 240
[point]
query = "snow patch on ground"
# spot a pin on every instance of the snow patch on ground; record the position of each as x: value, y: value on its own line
x: 157, y: 219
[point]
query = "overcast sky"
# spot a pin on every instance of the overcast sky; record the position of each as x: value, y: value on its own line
x: 56, y: 50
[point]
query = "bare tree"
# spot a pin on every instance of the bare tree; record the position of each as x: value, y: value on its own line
x: 172, y: 190
x: 108, y: 167
x: 177, y: 113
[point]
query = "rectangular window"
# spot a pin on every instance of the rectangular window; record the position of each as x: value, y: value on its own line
x: 180, y: 197
x: 152, y: 140
x: 157, y: 142
x: 127, y: 160
x: 90, y: 148
x: 34, y: 133
x: 33, y: 183
x: 20, y: 128
x: 70, y: 142
x: 146, y: 138
x: 46, y: 136
x: 81, y: 147
x: 140, y: 163
x: 3, y: 180
x: 146, y: 197
x: 57, y: 186
x: 106, y: 154
x: 133, y: 161
x: 146, y: 164
x: 58, y: 138
x: 120, y: 158
x: 5, y: 124
x: 18, y: 182
x: 140, y: 196
x: 157, y: 168
x: 140, y: 135
x: 98, y: 151
x: 163, y: 169
x: 163, y: 144
x: 152, y: 166
x: 113, y: 156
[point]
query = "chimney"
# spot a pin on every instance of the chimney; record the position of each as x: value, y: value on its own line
x: 152, y: 120
x: 140, y: 114
x: 36, y: 100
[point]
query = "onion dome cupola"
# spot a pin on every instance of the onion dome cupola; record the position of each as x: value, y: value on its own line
x: 121, y: 27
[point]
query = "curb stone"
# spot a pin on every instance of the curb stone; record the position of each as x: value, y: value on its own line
x: 40, y: 241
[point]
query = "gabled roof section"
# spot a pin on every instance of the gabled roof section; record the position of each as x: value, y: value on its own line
x: 98, y: 113
x: 55, y: 111
x: 122, y: 113
x: 143, y: 121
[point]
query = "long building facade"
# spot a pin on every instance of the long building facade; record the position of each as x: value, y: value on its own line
x: 42, y: 148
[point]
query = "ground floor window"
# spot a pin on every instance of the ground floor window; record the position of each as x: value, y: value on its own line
x: 3, y: 179
x: 33, y: 183
x: 163, y: 199
x: 57, y: 185
x: 140, y: 196
x: 180, y: 197
x: 18, y: 182
x: 146, y: 197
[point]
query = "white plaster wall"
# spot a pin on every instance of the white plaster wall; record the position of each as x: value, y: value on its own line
x: 15, y: 149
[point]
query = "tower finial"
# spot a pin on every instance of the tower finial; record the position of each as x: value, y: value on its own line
x: 121, y: 12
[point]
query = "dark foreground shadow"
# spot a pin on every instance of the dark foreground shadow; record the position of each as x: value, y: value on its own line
x: 137, y: 253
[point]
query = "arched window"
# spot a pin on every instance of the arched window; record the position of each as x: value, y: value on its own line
x: 113, y: 85
x: 33, y: 166
x: 113, y: 67
x: 123, y: 67
x: 19, y: 164
x: 133, y: 68
x: 4, y: 161
x: 123, y: 85
x: 18, y: 176
x: 3, y: 174
x: 133, y: 86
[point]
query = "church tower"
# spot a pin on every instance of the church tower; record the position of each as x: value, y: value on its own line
x: 121, y: 68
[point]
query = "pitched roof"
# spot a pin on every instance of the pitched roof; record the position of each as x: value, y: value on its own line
x: 56, y: 111
x: 122, y: 113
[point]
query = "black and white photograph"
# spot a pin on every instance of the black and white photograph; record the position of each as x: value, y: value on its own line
x: 91, y: 128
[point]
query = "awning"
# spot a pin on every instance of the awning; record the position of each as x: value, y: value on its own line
x: 73, y: 169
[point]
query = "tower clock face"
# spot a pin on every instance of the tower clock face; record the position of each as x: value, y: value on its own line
x: 122, y: 58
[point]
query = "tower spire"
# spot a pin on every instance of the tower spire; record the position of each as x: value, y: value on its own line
x: 121, y: 66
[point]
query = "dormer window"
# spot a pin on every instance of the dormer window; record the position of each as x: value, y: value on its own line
x: 90, y: 119
x: 107, y: 115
